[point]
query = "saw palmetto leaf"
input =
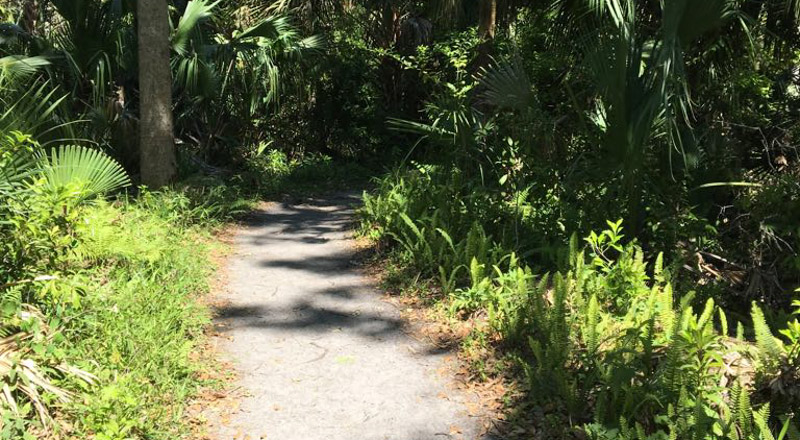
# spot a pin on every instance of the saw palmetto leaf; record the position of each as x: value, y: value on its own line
x: 87, y: 172
x: 507, y: 86
x: 196, y: 12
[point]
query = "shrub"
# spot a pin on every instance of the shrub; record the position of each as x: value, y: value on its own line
x: 608, y: 342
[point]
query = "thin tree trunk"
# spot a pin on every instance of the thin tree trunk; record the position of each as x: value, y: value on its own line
x: 389, y: 25
x: 156, y: 144
x: 488, y: 19
x: 487, y: 23
x: 30, y: 16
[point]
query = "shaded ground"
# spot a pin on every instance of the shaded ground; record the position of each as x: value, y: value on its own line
x: 321, y: 356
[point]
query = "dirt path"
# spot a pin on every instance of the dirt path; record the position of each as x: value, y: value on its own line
x: 321, y: 356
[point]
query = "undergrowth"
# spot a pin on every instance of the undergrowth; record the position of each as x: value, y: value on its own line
x: 140, y: 319
x: 99, y: 308
x: 274, y: 172
x: 101, y: 299
x: 123, y: 309
x: 604, y: 347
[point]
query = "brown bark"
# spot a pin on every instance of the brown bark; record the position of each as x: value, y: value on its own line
x: 488, y: 19
x: 389, y: 19
x: 30, y: 16
x: 156, y: 143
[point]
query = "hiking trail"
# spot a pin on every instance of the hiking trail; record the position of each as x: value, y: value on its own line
x: 321, y: 355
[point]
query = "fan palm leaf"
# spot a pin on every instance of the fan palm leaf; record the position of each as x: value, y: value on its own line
x: 13, y: 66
x: 506, y: 86
x: 85, y: 171
x: 641, y: 81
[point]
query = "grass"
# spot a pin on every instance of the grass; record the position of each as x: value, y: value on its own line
x: 125, y: 305
x: 140, y: 321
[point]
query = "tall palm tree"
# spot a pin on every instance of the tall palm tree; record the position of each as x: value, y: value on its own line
x: 156, y: 144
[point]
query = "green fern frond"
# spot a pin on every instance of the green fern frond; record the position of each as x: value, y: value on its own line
x: 590, y: 330
x: 666, y: 311
x: 658, y: 268
x: 761, y: 421
x: 768, y: 345
x: 744, y: 411
x: 705, y: 317
x: 723, y: 322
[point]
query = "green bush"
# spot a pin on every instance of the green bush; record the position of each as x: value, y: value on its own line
x: 273, y: 171
x: 608, y: 342
x: 98, y: 313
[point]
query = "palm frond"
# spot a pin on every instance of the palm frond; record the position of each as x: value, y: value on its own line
x: 195, y: 13
x: 430, y: 131
x: 15, y: 66
x: 507, y: 86
x: 85, y: 171
x: 31, y: 111
x: 313, y: 42
x: 14, y: 170
x: 273, y: 27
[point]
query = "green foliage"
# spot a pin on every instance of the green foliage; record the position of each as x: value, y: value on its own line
x: 139, y: 321
x: 678, y: 116
x: 608, y: 341
x: 118, y: 319
x: 80, y: 172
x: 97, y: 310
x: 271, y: 171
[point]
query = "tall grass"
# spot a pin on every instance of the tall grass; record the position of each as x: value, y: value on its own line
x: 140, y: 320
x: 110, y: 327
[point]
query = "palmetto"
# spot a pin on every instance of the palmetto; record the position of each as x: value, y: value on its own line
x: 82, y: 171
x: 641, y: 95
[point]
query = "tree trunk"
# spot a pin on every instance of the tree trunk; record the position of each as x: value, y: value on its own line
x: 487, y: 23
x: 156, y: 144
x: 488, y: 18
x: 30, y: 17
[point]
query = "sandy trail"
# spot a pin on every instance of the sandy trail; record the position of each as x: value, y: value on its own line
x: 321, y: 355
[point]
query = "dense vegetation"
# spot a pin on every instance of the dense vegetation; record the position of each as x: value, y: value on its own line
x: 97, y: 315
x: 666, y: 127
x: 508, y: 131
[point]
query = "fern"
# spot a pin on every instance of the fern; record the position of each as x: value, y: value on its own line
x: 590, y: 329
x: 723, y: 322
x: 666, y: 311
x: 705, y: 317
x: 744, y: 411
x: 761, y: 422
x: 476, y: 271
x: 658, y: 268
x: 769, y: 347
